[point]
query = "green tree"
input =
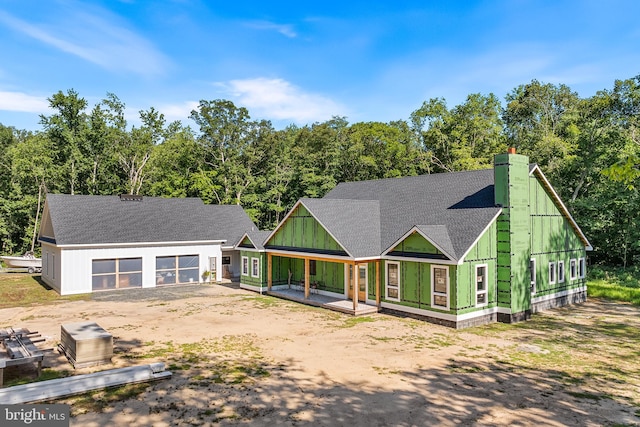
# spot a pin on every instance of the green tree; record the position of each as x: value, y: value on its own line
x: 463, y: 138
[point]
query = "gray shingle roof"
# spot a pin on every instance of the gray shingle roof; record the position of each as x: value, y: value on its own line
x: 82, y: 219
x: 355, y: 224
x: 257, y: 237
x: 451, y: 208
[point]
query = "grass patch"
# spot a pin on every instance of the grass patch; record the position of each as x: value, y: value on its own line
x: 584, y: 395
x: 350, y: 322
x: 263, y: 301
x: 20, y: 290
x: 615, y: 284
x: 47, y: 374
x: 97, y: 401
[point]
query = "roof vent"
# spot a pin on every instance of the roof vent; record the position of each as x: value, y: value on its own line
x: 130, y: 198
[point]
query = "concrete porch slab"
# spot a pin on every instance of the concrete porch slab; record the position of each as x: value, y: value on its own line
x: 324, y: 301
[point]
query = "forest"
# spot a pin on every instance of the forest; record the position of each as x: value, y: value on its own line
x: 589, y: 148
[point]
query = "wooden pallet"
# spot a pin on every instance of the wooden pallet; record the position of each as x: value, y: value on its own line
x: 54, y: 389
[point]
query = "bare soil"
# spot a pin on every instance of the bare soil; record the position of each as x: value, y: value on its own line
x: 241, y: 358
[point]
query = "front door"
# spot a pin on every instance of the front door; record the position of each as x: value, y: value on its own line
x: 360, y: 279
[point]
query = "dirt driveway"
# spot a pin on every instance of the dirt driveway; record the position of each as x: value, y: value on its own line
x: 241, y: 358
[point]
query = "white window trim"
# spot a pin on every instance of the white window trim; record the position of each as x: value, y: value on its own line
x: 582, y: 268
x: 245, y: 266
x: 486, y: 285
x: 573, y: 269
x: 553, y: 273
x: 255, y: 267
x: 534, y: 276
x: 560, y: 277
x: 386, y: 280
x: 434, y: 293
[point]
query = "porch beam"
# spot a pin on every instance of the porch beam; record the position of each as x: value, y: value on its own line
x: 269, y: 271
x: 307, y: 278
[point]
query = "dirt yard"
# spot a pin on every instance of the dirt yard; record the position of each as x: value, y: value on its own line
x: 241, y: 358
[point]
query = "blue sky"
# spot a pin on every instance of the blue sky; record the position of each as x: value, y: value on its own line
x: 293, y: 62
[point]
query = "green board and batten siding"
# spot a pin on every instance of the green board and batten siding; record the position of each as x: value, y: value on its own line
x: 553, y: 239
x: 484, y: 252
x: 301, y: 230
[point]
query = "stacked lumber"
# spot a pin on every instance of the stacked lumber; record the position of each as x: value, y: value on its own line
x: 54, y: 389
x: 86, y: 344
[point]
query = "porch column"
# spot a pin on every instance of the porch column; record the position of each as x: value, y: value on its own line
x: 307, y: 277
x: 378, y: 283
x: 269, y: 271
x: 356, y: 286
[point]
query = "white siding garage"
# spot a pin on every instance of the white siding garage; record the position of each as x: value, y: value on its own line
x: 93, y: 243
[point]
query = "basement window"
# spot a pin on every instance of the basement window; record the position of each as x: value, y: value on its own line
x: 393, y: 280
x: 440, y: 286
x: 481, y: 285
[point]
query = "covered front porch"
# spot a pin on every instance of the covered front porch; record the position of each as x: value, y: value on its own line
x: 334, y: 283
x: 324, y: 301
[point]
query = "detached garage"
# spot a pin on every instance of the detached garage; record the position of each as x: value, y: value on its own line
x: 93, y: 243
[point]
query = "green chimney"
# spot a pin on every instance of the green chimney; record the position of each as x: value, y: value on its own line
x: 511, y: 179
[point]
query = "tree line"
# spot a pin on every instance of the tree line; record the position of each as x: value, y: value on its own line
x: 589, y: 148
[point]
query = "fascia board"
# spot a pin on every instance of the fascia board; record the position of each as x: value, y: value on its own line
x: 536, y: 169
x: 134, y: 244
x: 423, y: 260
x: 295, y: 254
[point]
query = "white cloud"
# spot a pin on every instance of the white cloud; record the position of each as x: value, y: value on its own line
x: 94, y: 39
x: 284, y: 29
x: 181, y: 111
x: 277, y: 99
x: 17, y: 101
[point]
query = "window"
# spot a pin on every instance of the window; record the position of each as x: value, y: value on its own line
x: 573, y: 269
x: 481, y: 285
x: 560, y: 271
x: 226, y: 260
x: 245, y: 266
x: 255, y: 267
x: 177, y: 269
x: 582, y: 268
x: 393, y: 280
x: 440, y: 286
x: 552, y: 273
x: 532, y: 274
x: 116, y: 273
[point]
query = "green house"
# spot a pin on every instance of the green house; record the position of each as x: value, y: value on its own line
x: 457, y: 249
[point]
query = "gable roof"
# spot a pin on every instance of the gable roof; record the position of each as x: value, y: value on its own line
x: 354, y: 224
x: 94, y: 220
x: 256, y: 237
x: 452, y: 209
